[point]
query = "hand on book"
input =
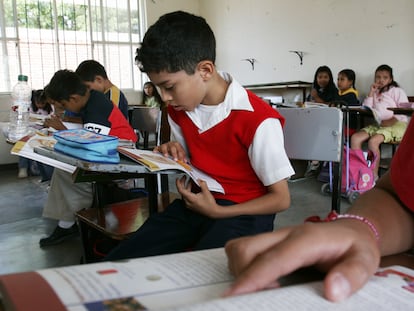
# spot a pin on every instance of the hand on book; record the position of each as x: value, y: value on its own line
x: 202, y: 202
x: 173, y: 149
x: 348, y: 256
x: 54, y: 122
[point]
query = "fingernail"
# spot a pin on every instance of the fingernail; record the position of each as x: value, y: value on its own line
x: 341, y: 288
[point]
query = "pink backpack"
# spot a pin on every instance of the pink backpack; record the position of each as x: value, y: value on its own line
x: 358, y: 172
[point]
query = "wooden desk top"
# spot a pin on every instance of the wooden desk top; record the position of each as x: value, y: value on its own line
x: 406, y: 111
x: 358, y: 109
x: 287, y: 84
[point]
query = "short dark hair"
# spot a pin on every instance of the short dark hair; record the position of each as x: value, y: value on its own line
x: 89, y: 69
x: 177, y: 41
x: 64, y: 84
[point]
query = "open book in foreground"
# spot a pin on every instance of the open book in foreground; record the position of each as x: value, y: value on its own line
x: 186, y: 281
x: 157, y: 162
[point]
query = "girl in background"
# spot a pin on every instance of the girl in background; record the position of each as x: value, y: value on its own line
x: 348, y: 95
x: 384, y: 93
x: 323, y: 89
x: 41, y: 106
x: 346, y: 87
x: 150, y: 96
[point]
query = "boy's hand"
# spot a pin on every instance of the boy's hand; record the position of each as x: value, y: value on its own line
x: 202, y: 202
x: 173, y: 149
x: 54, y: 122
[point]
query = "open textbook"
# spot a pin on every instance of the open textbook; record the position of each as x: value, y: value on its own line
x: 25, y: 148
x: 157, y: 162
x: 375, y: 115
x: 186, y: 281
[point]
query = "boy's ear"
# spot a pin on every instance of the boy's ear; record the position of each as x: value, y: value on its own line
x: 206, y: 69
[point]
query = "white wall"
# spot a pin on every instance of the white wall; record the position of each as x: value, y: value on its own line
x: 156, y: 8
x: 356, y: 34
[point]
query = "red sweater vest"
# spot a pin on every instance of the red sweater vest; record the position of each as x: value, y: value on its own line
x: 222, y: 151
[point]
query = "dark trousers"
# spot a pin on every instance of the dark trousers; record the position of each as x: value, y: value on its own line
x: 178, y: 229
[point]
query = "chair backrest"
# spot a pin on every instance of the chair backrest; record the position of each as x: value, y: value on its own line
x: 146, y: 121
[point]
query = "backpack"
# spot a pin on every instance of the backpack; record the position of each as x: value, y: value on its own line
x: 358, y: 172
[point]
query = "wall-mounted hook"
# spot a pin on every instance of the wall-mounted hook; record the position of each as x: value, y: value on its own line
x: 251, y: 61
x: 299, y: 54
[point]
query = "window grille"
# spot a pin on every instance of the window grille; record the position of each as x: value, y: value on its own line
x: 39, y: 37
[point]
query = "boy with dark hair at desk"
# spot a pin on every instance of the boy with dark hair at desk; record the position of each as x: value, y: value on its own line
x: 99, y: 115
x: 225, y: 130
x: 95, y: 77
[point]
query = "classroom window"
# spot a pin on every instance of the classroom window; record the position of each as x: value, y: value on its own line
x: 39, y: 37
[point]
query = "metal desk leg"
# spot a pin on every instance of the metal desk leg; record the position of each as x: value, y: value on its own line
x: 152, y: 187
x: 336, y: 187
x: 87, y: 253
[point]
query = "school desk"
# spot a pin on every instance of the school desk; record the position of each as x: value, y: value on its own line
x: 316, y: 134
x: 405, y: 111
x: 115, y: 221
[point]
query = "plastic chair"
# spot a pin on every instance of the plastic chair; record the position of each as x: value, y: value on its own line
x: 146, y: 121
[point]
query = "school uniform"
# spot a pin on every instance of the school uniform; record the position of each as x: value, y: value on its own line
x: 115, y: 95
x: 65, y: 198
x: 239, y: 143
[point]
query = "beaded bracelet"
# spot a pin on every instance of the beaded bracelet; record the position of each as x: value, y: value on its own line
x: 332, y: 216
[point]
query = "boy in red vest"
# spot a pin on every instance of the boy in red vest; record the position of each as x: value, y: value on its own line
x: 223, y: 130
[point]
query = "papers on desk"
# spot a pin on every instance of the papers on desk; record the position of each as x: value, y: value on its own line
x: 25, y: 148
x: 191, y: 281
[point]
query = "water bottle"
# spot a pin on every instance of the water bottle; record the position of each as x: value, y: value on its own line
x: 19, y: 113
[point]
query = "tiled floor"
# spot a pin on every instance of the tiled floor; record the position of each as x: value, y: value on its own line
x: 21, y: 224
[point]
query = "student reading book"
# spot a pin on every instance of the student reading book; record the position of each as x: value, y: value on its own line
x: 98, y: 115
x: 223, y: 130
x: 155, y: 162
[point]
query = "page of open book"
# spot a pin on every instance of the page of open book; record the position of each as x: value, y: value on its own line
x: 25, y: 148
x: 155, y: 282
x: 391, y: 290
x: 157, y: 162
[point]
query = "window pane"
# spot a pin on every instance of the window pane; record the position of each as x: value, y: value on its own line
x: 60, y: 34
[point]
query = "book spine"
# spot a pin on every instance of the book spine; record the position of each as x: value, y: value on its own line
x: 28, y: 291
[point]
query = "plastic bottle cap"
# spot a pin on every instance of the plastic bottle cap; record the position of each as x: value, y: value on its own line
x: 22, y: 78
